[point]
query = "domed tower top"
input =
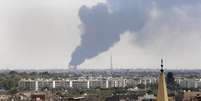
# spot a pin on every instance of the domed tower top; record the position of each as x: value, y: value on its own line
x: 162, y: 69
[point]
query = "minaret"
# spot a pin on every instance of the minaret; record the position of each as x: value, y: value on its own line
x: 162, y: 88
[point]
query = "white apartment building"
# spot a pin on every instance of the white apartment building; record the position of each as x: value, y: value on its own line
x: 41, y: 84
x: 27, y: 84
x: 189, y: 83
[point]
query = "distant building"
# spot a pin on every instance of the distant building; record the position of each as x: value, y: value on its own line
x: 147, y: 98
x: 38, y: 97
x: 116, y: 82
x: 80, y: 84
x: 27, y: 84
x: 189, y: 96
x: 4, y: 97
x: 189, y: 83
x: 48, y: 84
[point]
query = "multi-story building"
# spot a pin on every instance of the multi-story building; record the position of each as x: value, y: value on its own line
x: 81, y: 83
x: 97, y: 83
x: 42, y: 84
x: 27, y: 84
x: 62, y: 84
x: 189, y: 83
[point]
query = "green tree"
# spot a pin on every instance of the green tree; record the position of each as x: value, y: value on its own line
x: 170, y: 81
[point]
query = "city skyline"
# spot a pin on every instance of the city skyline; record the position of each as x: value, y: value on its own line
x: 47, y: 33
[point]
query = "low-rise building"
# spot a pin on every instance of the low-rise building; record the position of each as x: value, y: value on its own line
x: 4, y: 97
x: 147, y: 98
x: 189, y: 96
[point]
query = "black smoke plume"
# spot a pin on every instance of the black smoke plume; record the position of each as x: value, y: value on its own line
x: 103, y: 24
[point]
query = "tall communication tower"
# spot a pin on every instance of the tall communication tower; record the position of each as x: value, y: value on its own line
x: 111, y: 63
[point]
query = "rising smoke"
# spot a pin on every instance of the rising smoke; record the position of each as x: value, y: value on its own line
x: 103, y: 24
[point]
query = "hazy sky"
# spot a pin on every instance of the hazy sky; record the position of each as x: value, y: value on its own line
x: 44, y: 34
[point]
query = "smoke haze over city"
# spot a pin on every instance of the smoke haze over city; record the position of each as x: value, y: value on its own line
x: 56, y: 33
